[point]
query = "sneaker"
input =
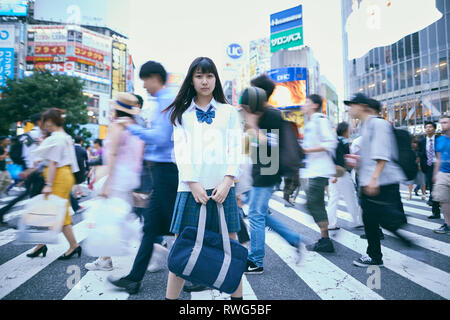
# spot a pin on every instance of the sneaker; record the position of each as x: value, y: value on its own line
x: 253, y: 268
x: 323, y: 245
x: 100, y: 264
x: 159, y: 258
x: 365, y: 261
x: 443, y: 229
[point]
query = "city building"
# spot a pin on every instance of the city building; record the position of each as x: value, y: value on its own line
x: 259, y: 57
x: 409, y: 77
x: 331, y: 101
x: 42, y: 37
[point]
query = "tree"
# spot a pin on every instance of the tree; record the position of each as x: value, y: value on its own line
x: 43, y: 90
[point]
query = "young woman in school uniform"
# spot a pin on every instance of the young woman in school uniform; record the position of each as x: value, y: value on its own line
x: 208, y: 146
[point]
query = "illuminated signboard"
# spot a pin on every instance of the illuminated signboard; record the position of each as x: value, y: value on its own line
x: 291, y: 87
x: 118, y: 74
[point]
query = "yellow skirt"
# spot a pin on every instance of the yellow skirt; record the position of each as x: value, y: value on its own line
x: 62, y: 186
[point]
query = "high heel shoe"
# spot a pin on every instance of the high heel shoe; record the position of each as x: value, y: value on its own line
x: 75, y: 251
x: 42, y: 250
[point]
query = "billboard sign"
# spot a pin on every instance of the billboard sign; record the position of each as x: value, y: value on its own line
x: 13, y: 8
x: 47, y: 34
x: 6, y: 65
x: 290, y: 89
x: 7, y: 35
x: 50, y: 50
x: 118, y: 74
x: 287, y: 19
x: 235, y: 51
x: 286, y: 39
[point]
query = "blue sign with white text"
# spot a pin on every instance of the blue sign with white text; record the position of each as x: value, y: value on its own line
x: 13, y: 8
x: 235, y: 51
x: 287, y: 19
x: 6, y: 65
x: 288, y: 74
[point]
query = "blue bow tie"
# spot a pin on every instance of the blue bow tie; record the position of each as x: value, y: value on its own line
x: 207, y: 116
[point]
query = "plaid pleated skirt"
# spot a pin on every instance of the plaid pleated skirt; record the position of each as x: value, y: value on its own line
x: 187, y: 212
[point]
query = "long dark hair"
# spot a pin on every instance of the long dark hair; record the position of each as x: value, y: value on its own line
x: 187, y: 91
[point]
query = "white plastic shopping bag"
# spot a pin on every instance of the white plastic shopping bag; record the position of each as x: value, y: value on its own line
x: 41, y: 220
x: 107, y: 220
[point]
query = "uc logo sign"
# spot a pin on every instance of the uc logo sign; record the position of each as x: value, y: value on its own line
x: 4, y: 35
x: 235, y: 51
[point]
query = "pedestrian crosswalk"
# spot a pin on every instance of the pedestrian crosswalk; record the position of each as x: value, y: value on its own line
x: 421, y: 272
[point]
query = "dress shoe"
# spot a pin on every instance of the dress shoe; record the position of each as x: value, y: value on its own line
x: 67, y: 257
x: 434, y: 216
x: 35, y: 254
x: 194, y: 288
x: 132, y: 287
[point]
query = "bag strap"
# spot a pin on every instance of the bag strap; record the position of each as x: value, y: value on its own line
x: 199, y: 243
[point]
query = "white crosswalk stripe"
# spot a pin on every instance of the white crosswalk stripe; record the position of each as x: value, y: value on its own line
x: 421, y: 273
x: 328, y: 280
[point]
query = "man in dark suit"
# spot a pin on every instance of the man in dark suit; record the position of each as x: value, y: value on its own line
x: 427, y: 156
x: 82, y: 159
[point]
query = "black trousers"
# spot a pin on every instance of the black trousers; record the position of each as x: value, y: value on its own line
x: 384, y: 209
x: 435, y: 208
x: 34, y: 185
x: 290, y: 184
x: 158, y: 216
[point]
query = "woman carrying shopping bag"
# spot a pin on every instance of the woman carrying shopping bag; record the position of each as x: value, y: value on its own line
x: 123, y: 158
x: 207, y: 144
x: 58, y: 154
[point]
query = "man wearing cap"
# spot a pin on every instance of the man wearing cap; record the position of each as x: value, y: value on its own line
x: 159, y: 157
x: 379, y: 175
x: 265, y: 123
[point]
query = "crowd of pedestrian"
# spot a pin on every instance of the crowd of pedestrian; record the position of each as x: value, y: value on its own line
x: 198, y: 150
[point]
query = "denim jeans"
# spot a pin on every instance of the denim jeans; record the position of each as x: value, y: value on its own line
x: 259, y: 219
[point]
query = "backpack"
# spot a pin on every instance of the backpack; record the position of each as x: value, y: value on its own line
x: 339, y: 159
x: 291, y: 154
x: 16, y: 149
x: 406, y: 155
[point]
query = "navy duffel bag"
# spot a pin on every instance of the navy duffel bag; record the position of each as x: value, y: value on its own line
x: 208, y: 258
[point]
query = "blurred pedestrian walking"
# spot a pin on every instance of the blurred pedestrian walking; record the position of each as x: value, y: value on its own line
x: 58, y: 154
x: 319, y: 145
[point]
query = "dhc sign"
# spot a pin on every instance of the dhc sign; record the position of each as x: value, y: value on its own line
x: 235, y: 51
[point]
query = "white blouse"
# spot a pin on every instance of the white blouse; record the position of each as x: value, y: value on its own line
x: 59, y: 148
x: 206, y: 153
